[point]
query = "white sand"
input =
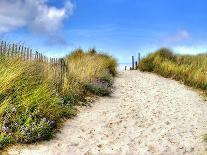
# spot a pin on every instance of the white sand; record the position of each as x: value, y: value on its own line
x: 146, y: 114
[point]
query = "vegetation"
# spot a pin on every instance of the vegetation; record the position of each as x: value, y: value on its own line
x: 190, y: 69
x: 31, y: 107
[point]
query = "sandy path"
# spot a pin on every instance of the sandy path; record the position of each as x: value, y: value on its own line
x: 146, y: 114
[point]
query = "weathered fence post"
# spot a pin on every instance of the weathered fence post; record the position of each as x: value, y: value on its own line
x: 30, y: 55
x: 139, y: 58
x: 12, y: 51
x: 136, y: 65
x: 62, y: 71
x: 1, y: 49
x: 8, y: 49
x: 125, y: 68
x: 4, y: 49
x: 15, y: 50
x: 132, y: 62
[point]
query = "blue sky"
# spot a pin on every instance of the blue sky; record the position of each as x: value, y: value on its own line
x: 119, y: 27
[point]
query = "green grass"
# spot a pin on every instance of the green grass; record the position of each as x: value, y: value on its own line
x: 190, y: 69
x: 31, y: 108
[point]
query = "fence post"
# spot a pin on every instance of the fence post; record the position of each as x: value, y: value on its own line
x: 8, y: 49
x: 125, y: 68
x: 12, y: 51
x: 132, y: 62
x: 19, y: 51
x: 136, y: 65
x: 4, y: 50
x: 30, y: 55
x: 1, y: 49
x: 139, y: 58
x: 15, y: 50
x: 62, y: 71
x: 22, y: 50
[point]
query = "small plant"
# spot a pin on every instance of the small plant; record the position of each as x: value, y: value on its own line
x: 97, y: 90
x: 4, y: 140
x: 107, y: 78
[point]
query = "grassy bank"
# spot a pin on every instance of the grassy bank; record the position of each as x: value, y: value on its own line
x: 31, y: 108
x: 190, y: 69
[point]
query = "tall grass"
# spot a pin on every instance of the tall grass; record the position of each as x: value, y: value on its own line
x: 190, y: 69
x: 30, y: 105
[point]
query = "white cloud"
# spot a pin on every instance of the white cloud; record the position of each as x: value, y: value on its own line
x: 181, y: 35
x: 37, y: 15
x: 190, y: 49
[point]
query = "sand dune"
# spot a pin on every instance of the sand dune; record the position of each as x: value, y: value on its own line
x: 146, y: 114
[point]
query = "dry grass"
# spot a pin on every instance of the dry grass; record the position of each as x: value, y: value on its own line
x: 30, y: 105
x: 190, y: 69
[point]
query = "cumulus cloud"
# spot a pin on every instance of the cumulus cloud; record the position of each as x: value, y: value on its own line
x: 36, y: 15
x: 179, y: 36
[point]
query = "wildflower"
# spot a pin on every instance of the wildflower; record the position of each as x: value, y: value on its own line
x: 44, y: 120
x: 5, y: 129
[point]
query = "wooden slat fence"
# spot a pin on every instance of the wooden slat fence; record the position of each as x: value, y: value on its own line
x: 57, y: 65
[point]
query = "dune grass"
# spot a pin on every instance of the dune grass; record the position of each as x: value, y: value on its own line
x: 31, y: 108
x: 190, y: 69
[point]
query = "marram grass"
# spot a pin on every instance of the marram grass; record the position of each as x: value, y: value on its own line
x: 30, y: 105
x: 190, y: 69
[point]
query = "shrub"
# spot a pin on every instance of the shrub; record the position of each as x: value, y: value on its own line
x: 97, y: 89
x: 4, y: 140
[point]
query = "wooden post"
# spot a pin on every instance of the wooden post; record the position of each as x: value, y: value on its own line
x: 62, y: 71
x: 22, y: 51
x: 13, y: 50
x: 125, y: 68
x: 30, y: 55
x: 132, y: 62
x: 19, y: 51
x: 136, y: 65
x: 36, y: 56
x: 139, y: 58
x: 1, y: 48
x: 27, y: 54
x: 8, y: 50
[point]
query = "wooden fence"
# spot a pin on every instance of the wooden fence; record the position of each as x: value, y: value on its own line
x: 135, y: 63
x: 57, y: 65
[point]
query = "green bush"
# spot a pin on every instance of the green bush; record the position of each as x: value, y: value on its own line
x: 97, y: 90
x: 4, y: 140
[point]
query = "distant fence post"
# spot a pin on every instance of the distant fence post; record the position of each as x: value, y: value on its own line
x: 4, y: 50
x: 12, y: 51
x: 139, y: 58
x: 1, y: 49
x: 132, y: 62
x: 125, y: 68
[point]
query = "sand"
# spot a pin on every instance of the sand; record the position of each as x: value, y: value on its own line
x: 145, y: 115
